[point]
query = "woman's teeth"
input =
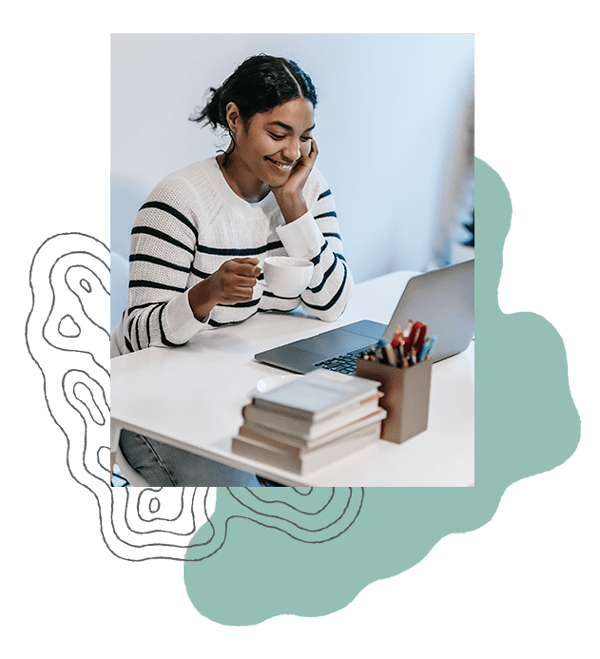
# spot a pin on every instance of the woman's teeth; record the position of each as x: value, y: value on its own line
x: 279, y: 164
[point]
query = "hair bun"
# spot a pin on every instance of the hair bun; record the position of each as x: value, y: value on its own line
x: 259, y: 84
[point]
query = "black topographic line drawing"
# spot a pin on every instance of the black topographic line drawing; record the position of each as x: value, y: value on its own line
x: 335, y: 511
x: 67, y: 338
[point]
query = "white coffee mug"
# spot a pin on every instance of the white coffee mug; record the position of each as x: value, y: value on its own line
x: 287, y: 276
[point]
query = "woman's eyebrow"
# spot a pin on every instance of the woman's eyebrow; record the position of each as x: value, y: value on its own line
x: 286, y: 127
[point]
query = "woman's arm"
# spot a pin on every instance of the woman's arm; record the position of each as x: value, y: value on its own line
x: 316, y: 236
x: 233, y: 282
x: 311, y: 231
x: 162, y: 251
x: 163, y: 310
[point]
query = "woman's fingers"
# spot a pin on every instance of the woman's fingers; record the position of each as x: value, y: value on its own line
x: 314, y: 150
x: 237, y: 279
x: 245, y: 267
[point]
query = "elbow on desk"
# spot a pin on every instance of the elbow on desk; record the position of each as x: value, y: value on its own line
x: 327, y: 317
x: 332, y: 311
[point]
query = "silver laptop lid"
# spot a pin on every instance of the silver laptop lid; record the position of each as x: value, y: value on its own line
x: 444, y: 300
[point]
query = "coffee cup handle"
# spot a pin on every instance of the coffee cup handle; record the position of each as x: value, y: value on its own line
x: 262, y: 282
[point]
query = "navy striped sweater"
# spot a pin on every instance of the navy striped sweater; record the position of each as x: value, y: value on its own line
x: 190, y: 224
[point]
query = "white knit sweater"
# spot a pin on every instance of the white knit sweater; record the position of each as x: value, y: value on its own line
x: 190, y: 224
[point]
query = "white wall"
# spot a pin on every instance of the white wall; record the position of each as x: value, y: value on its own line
x: 389, y: 107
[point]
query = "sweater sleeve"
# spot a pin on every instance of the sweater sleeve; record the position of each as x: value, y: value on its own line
x: 162, y: 248
x: 316, y: 237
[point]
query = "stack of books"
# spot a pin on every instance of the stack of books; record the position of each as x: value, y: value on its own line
x: 311, y: 422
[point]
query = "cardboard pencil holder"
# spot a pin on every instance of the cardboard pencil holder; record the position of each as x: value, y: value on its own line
x: 405, y: 397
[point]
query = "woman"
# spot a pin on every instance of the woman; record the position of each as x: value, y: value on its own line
x: 196, y: 242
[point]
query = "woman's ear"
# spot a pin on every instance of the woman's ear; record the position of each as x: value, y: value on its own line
x: 232, y: 116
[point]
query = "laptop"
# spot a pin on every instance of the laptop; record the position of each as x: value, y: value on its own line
x: 443, y: 299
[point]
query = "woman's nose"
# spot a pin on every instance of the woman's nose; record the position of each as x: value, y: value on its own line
x: 291, y: 149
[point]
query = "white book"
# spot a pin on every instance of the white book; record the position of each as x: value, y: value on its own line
x: 317, y: 395
x: 280, y: 437
x: 305, y: 428
x: 301, y: 464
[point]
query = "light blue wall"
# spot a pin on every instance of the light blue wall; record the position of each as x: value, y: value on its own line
x: 389, y: 111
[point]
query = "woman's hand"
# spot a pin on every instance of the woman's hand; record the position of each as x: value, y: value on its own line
x: 233, y: 282
x: 289, y: 195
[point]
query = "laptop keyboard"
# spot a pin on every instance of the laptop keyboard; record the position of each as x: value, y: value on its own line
x: 343, y: 363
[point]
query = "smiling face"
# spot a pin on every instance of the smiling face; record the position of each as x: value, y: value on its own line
x: 268, y: 146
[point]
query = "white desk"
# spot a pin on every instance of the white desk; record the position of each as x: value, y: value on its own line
x: 191, y: 397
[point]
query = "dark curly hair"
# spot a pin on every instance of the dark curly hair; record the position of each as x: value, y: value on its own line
x: 259, y: 84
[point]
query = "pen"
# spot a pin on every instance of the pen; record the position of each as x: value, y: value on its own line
x: 431, y: 342
x: 382, y: 351
x: 390, y: 354
x: 401, y: 354
x: 407, y: 348
x: 418, y: 334
x: 413, y: 356
x: 424, y: 350
x: 397, y: 337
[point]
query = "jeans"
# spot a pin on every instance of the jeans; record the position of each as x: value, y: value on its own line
x: 166, y: 466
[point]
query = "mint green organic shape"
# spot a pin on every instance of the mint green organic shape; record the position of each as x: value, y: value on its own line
x: 526, y: 424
